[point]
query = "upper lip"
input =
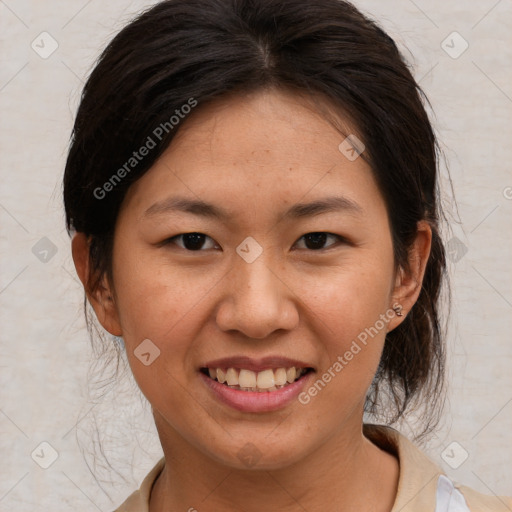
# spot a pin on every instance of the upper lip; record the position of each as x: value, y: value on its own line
x: 256, y: 365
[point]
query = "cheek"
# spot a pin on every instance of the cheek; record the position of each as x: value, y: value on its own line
x: 168, y: 305
x: 349, y: 299
x: 158, y: 306
x: 154, y: 303
x: 153, y: 297
x: 350, y: 308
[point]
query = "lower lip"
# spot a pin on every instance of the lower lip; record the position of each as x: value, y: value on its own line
x: 254, y: 401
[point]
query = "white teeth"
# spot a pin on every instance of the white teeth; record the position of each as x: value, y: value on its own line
x: 221, y: 376
x: 248, y: 380
x: 280, y: 376
x: 291, y: 374
x: 232, y: 377
x: 266, y: 379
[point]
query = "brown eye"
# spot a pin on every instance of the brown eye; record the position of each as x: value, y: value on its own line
x: 316, y: 241
x: 190, y: 241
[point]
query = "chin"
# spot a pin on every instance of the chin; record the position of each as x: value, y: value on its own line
x: 258, y: 454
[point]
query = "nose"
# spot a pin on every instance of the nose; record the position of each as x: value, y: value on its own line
x: 257, y: 300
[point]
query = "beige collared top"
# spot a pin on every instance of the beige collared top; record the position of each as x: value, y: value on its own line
x: 422, y: 485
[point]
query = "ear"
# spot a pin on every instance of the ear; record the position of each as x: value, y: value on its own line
x: 101, y: 297
x: 408, y: 283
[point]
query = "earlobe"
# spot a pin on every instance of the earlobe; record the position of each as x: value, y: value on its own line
x: 408, y: 282
x: 101, y: 297
x: 105, y: 308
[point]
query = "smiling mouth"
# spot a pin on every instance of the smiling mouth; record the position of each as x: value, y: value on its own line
x: 242, y: 379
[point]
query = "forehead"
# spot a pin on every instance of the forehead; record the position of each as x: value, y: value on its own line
x: 264, y: 121
x: 269, y: 147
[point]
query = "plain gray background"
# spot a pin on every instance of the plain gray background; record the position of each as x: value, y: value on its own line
x: 45, y: 352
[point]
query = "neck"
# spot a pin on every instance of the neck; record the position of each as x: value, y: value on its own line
x: 347, y: 472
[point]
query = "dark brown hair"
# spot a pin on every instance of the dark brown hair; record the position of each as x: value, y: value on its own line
x: 180, y: 50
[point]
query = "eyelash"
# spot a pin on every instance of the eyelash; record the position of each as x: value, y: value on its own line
x: 340, y: 238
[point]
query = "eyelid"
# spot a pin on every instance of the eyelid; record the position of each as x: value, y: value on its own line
x: 171, y: 240
x: 341, y: 239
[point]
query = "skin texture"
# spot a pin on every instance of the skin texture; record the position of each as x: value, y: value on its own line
x: 256, y: 156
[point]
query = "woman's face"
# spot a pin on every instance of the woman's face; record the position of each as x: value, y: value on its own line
x: 253, y: 292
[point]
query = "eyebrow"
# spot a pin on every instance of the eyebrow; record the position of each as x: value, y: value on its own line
x: 208, y: 210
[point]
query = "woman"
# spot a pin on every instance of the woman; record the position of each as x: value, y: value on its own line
x: 252, y: 187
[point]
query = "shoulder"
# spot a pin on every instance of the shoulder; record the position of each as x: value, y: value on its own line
x: 478, y: 502
x: 422, y: 484
x: 459, y: 498
x: 138, y: 501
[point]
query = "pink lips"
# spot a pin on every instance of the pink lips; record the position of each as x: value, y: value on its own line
x: 254, y: 401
